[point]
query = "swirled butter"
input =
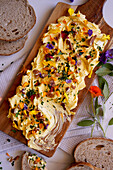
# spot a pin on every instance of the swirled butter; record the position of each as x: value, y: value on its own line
x: 49, y: 91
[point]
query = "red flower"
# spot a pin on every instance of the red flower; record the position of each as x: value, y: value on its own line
x: 32, y: 97
x: 95, y: 91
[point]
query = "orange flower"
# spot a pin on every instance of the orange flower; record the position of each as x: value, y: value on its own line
x: 95, y: 91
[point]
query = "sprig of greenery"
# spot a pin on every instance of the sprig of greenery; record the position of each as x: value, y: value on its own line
x: 96, y: 114
x: 97, y: 109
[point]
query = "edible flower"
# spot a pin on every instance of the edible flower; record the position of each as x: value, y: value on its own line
x: 32, y: 97
x: 68, y: 81
x: 49, y: 46
x: 95, y: 91
x: 71, y: 11
x: 21, y: 105
x: 90, y: 32
x: 15, y: 126
x: 64, y: 34
x: 90, y: 74
x: 25, y: 107
x: 38, y: 159
x: 106, y: 37
x: 46, y: 126
x: 33, y: 112
x: 25, y: 84
x: 66, y: 96
x: 105, y: 56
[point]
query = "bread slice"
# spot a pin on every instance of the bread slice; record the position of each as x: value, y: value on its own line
x: 82, y: 166
x: 97, y: 151
x: 17, y: 18
x: 11, y: 47
x: 25, y: 163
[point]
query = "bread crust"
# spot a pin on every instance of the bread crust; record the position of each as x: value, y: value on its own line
x: 34, y: 16
x: 24, y: 156
x: 15, y: 51
x: 77, y: 164
x: 94, y: 138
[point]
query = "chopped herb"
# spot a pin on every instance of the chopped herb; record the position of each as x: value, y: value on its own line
x: 42, y: 102
x: 91, y: 64
x: 30, y: 93
x: 78, y: 93
x: 12, y: 163
x: 31, y: 126
x: 99, y: 48
x: 83, y: 39
x: 60, y: 53
x: 13, y: 130
x: 53, y: 42
x: 17, y: 114
x: 46, y: 119
x: 49, y: 75
x: 78, y: 28
x: 40, y: 132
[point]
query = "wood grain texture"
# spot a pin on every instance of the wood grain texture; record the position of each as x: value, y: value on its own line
x: 93, y: 11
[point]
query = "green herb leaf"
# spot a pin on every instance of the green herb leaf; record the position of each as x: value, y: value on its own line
x: 103, y: 71
x: 110, y: 122
x: 109, y: 66
x: 85, y: 123
x: 106, y: 91
x: 102, y: 81
x: 110, y: 74
x: 13, y: 130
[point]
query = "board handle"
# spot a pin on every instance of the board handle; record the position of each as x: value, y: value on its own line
x: 92, y: 9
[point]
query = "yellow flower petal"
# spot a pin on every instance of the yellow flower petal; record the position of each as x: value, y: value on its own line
x: 71, y: 11
x: 106, y: 37
x: 66, y: 96
x: 15, y: 126
x: 33, y: 112
x: 90, y: 74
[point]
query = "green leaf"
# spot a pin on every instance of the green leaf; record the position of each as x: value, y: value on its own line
x: 110, y: 122
x: 103, y: 71
x: 102, y: 81
x: 110, y: 74
x: 96, y: 103
x: 109, y: 66
x: 106, y: 91
x: 85, y: 123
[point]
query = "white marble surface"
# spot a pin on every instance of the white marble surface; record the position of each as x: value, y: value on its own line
x: 61, y: 159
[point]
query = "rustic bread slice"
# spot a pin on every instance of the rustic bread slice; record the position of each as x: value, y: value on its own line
x: 82, y: 166
x: 25, y: 164
x: 11, y: 47
x: 17, y: 18
x: 97, y: 151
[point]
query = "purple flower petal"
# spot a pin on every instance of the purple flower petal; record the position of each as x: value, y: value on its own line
x: 25, y: 107
x: 46, y: 126
x: 40, y: 75
x: 109, y: 53
x: 50, y: 46
x: 103, y: 58
x: 68, y: 81
x: 90, y: 32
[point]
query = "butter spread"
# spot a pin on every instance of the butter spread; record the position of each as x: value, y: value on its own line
x: 49, y: 91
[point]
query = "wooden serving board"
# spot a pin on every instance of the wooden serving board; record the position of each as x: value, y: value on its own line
x: 93, y: 11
